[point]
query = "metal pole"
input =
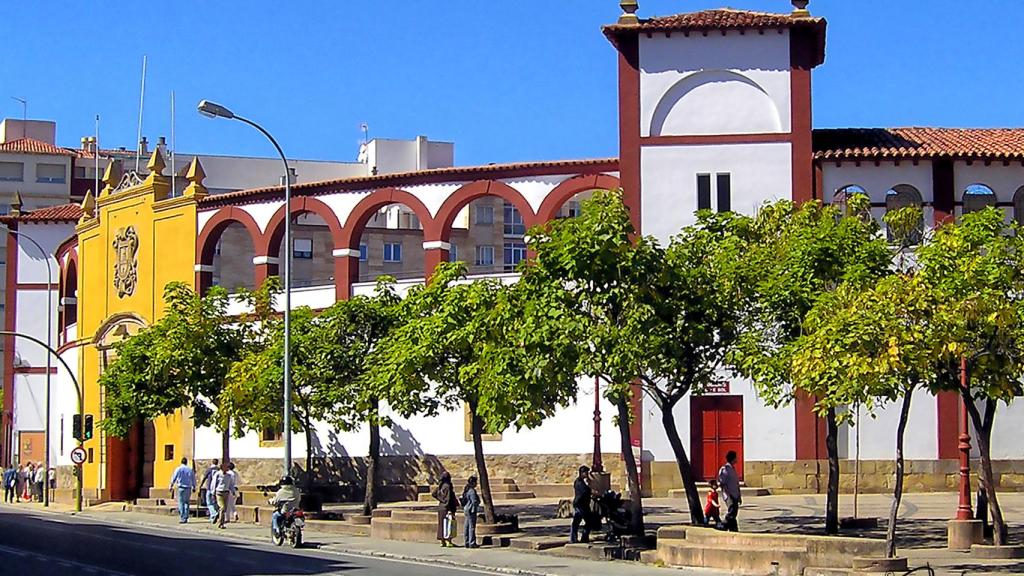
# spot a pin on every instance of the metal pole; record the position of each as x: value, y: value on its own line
x: 49, y: 346
x: 963, y: 510
x: 287, y: 432
x: 598, y: 464
x: 81, y: 400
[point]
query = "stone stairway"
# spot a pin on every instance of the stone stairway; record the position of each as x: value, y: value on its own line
x: 501, y: 489
x: 419, y: 525
x: 703, y: 487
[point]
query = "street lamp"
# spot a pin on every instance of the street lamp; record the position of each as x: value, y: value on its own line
x: 49, y: 345
x: 214, y: 110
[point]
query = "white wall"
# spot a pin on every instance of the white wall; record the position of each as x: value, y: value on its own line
x: 878, y: 434
x: 714, y: 84
x: 759, y: 173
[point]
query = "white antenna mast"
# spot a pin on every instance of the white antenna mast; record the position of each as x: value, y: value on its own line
x: 173, y: 147
x: 96, y: 157
x: 142, y: 102
x: 24, y: 115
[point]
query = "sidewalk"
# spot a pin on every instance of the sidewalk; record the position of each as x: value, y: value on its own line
x: 497, y: 560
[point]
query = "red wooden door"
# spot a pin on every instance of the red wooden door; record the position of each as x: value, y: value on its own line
x: 716, y: 427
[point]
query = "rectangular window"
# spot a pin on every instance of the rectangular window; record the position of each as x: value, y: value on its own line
x: 392, y: 251
x: 513, y: 221
x: 515, y: 252
x: 484, y: 215
x: 168, y: 451
x: 50, y: 173
x: 485, y: 255
x: 12, y: 171
x: 363, y: 252
x: 724, y: 191
x: 453, y: 253
x: 572, y: 209
x: 216, y: 249
x: 302, y: 248
x: 703, y: 191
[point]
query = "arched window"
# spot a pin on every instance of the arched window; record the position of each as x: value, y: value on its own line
x: 842, y: 196
x: 978, y: 197
x: 903, y: 196
x: 1018, y: 206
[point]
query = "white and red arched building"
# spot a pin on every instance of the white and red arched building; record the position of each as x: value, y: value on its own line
x: 714, y: 112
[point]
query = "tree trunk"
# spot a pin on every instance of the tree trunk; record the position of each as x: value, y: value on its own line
x: 897, y: 491
x: 832, y: 492
x: 225, y: 444
x: 481, y: 465
x: 983, y: 426
x: 668, y: 420
x: 308, y: 428
x: 632, y: 477
x: 373, y: 459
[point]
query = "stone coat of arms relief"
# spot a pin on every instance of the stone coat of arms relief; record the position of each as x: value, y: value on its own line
x: 126, y: 263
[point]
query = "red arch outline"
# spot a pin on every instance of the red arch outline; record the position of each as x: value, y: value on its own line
x: 214, y: 227
x: 561, y: 194
x: 271, y: 240
x: 364, y: 210
x: 472, y: 191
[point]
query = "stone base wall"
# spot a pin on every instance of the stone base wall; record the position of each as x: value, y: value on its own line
x: 876, y: 476
x: 427, y: 469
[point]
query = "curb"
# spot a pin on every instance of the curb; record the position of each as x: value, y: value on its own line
x: 334, y: 548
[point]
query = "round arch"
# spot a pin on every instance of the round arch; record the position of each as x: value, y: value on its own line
x: 561, y: 194
x: 68, y: 288
x: 903, y: 196
x: 271, y: 240
x: 367, y: 207
x: 977, y: 197
x: 1018, y: 206
x: 469, y: 192
x: 206, y: 243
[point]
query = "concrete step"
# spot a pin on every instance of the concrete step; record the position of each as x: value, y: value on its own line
x: 745, y: 492
x: 495, y: 495
x: 591, y: 551
x: 817, y: 571
x: 339, y: 527
x: 537, y: 542
x: 416, y: 528
x: 685, y: 553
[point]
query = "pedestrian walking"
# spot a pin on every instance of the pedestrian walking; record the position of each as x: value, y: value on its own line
x: 580, y: 507
x: 19, y: 492
x: 11, y: 484
x: 28, y: 474
x: 729, y: 480
x: 183, y: 481
x: 51, y: 478
x: 712, y: 511
x: 39, y: 479
x: 206, y: 492
x: 446, y: 506
x: 233, y: 498
x: 470, y: 509
x: 223, y: 488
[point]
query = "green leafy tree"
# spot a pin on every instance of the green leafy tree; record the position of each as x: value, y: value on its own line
x: 794, y: 257
x: 976, y: 269
x: 329, y: 375
x: 870, y: 347
x: 461, y: 343
x: 597, y: 273
x: 178, y: 362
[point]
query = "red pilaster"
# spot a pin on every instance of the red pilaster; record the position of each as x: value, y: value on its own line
x: 10, y: 311
x: 629, y: 124
x: 803, y: 57
x: 433, y: 256
x: 346, y: 272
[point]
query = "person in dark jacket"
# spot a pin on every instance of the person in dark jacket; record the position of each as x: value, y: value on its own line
x: 10, y: 484
x: 580, y: 506
x: 447, y: 504
x: 470, y: 507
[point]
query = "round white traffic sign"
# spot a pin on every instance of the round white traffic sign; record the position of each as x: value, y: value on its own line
x: 78, y: 456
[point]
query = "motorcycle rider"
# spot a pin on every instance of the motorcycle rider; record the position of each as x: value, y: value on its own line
x: 286, y: 497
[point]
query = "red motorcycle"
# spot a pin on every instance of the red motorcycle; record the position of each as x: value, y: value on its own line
x: 290, y: 524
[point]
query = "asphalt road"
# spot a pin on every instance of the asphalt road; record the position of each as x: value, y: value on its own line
x: 41, y: 544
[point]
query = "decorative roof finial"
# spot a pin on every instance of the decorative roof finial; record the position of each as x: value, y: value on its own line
x: 629, y: 8
x: 16, y: 204
x: 195, y: 177
x: 800, y: 8
x: 111, y: 177
x: 88, y: 207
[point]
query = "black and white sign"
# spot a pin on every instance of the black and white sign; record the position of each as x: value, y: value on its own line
x: 78, y: 456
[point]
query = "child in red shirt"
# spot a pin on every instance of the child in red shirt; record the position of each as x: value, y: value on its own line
x: 712, y: 517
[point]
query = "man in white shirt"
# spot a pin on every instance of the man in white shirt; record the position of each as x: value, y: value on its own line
x: 208, y: 495
x: 223, y: 488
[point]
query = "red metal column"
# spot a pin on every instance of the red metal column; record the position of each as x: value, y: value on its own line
x: 963, y: 510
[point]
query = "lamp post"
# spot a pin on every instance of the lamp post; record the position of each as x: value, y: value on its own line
x: 49, y: 345
x: 213, y: 110
x: 963, y: 510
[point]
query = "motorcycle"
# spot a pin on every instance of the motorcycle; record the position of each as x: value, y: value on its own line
x: 613, y: 514
x: 293, y: 520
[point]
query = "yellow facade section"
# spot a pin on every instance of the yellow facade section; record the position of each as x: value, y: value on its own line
x: 133, y: 239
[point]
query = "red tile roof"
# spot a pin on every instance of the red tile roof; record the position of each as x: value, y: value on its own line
x: 62, y: 213
x: 33, y: 146
x: 720, y: 19
x: 432, y: 176
x: 724, y: 19
x: 910, y: 143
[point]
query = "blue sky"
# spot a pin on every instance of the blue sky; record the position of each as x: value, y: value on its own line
x: 507, y: 80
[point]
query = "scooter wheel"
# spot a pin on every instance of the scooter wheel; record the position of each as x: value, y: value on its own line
x: 277, y: 539
x: 297, y: 539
